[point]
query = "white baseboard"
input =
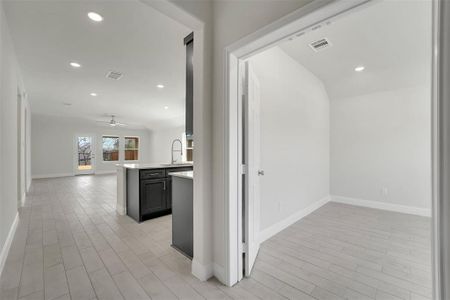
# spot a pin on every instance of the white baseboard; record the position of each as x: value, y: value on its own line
x: 8, y: 242
x: 105, y: 172
x: 42, y: 176
x: 383, y: 205
x: 121, y: 210
x: 219, y: 273
x: 202, y: 272
x: 286, y: 222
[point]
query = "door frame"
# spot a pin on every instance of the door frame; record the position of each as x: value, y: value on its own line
x: 302, y: 19
x: 75, y: 154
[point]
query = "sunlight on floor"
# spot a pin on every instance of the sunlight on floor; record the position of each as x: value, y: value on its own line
x: 84, y: 168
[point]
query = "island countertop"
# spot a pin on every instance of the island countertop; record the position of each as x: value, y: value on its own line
x: 154, y: 165
x: 184, y: 174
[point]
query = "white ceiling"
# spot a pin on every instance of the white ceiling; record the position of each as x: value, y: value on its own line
x: 392, y: 39
x: 143, y: 44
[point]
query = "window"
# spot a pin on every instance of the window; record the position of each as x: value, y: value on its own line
x: 131, y: 148
x: 110, y: 148
x: 189, y: 150
x: 188, y: 144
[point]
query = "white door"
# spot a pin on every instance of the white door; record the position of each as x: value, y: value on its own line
x: 84, y: 154
x: 252, y: 155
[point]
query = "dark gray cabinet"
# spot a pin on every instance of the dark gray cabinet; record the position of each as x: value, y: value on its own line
x: 149, y: 192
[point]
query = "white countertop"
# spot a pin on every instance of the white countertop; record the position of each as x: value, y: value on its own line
x: 185, y: 174
x: 154, y: 165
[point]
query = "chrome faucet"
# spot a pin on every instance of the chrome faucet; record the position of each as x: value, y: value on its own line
x: 181, y: 148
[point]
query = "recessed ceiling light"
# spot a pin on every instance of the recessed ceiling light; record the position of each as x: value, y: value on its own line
x: 93, y: 94
x: 75, y: 65
x: 359, y: 68
x: 160, y: 86
x: 166, y: 107
x: 95, y: 16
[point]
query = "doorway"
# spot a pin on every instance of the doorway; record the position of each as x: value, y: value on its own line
x: 240, y: 171
x: 84, y: 154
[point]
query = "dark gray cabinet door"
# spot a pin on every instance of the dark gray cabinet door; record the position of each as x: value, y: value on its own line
x: 153, y: 196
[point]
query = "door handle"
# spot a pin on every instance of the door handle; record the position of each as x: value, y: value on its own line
x: 260, y: 172
x: 164, y: 185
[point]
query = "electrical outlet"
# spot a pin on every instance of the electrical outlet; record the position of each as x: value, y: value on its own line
x: 384, y: 192
x: 279, y: 206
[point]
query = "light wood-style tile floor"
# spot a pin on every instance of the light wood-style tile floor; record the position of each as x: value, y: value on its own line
x: 70, y: 244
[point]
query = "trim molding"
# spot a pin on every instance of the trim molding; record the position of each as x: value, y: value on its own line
x: 288, y: 221
x: 425, y: 212
x: 8, y: 242
x: 219, y: 272
x: 42, y: 176
x: 202, y: 272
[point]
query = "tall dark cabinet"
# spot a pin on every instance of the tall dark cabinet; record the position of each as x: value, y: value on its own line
x: 189, y: 43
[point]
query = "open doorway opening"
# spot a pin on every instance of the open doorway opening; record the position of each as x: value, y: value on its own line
x: 335, y: 152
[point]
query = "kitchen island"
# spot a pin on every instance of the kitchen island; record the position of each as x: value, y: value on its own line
x: 144, y: 190
x: 182, y: 212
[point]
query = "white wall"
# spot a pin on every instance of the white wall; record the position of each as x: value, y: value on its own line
x: 295, y: 137
x: 10, y: 84
x: 161, y: 144
x: 52, y: 144
x: 382, y: 141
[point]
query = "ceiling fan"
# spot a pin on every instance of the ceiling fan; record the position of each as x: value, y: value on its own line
x: 113, y: 122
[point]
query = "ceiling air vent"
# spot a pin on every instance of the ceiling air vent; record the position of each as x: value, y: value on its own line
x: 114, y: 75
x: 320, y: 44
